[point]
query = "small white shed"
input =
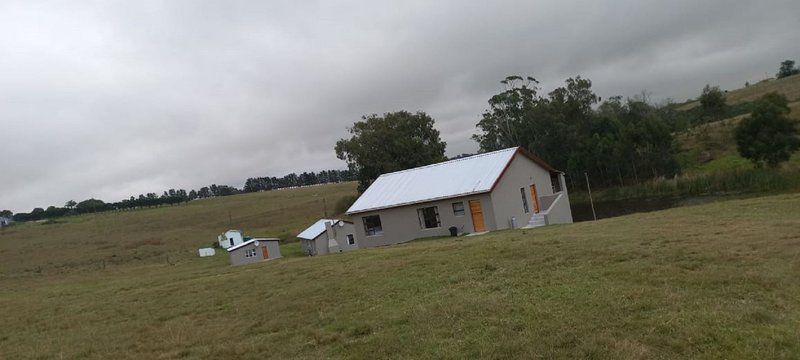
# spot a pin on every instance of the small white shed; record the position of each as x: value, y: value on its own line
x: 230, y: 238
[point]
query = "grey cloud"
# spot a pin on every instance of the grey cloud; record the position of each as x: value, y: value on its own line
x: 109, y: 99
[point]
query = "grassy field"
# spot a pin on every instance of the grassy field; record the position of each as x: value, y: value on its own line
x: 788, y: 86
x: 719, y: 280
x: 160, y: 235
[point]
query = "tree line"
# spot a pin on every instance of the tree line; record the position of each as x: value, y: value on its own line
x: 617, y: 142
x: 178, y: 196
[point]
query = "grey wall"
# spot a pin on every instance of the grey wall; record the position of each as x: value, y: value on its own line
x: 238, y: 258
x: 506, y: 198
x: 319, y: 246
x: 340, y: 234
x: 401, y: 224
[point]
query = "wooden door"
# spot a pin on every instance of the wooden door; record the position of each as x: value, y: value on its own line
x: 535, y: 197
x: 477, y: 215
x: 265, y: 252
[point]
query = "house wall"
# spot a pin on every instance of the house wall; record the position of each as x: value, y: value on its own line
x: 340, y: 234
x: 308, y: 247
x: 235, y: 235
x: 321, y: 244
x: 401, y: 224
x: 237, y: 256
x: 506, y: 198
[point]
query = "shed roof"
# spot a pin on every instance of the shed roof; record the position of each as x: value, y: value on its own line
x: 460, y: 177
x: 232, y: 248
x: 311, y: 232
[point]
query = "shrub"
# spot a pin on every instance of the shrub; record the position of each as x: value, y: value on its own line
x: 768, y: 136
x: 344, y: 203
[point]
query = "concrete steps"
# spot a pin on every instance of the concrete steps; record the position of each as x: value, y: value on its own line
x: 537, y: 220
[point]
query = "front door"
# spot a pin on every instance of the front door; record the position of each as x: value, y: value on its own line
x: 477, y: 215
x: 265, y: 252
x: 535, y: 197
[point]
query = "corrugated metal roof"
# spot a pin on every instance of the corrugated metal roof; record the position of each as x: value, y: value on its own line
x: 232, y: 248
x: 459, y: 177
x: 315, y: 230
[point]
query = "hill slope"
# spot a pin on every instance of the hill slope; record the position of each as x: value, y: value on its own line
x: 788, y: 86
x: 716, y: 281
x: 165, y: 234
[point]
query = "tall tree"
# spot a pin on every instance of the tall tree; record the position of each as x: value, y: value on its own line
x: 395, y: 141
x: 712, y: 102
x: 767, y: 136
x: 787, y: 69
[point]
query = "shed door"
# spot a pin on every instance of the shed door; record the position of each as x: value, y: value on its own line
x: 535, y: 197
x: 477, y: 215
x: 265, y: 251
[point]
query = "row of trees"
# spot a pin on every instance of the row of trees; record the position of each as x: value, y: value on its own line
x: 294, y: 180
x: 178, y: 196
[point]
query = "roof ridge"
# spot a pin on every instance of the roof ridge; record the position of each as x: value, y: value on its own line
x: 450, y: 161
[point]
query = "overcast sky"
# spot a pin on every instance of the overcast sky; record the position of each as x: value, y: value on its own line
x: 107, y: 99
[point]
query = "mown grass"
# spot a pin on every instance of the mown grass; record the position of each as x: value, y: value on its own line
x: 719, y: 280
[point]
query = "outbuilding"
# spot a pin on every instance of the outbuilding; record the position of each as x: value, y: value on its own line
x: 231, y: 238
x: 328, y: 236
x: 255, y: 250
x: 504, y: 189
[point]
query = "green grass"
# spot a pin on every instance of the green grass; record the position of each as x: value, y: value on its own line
x: 719, y: 280
x: 161, y: 235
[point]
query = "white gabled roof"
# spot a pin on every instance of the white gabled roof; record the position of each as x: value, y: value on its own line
x: 250, y: 242
x: 315, y: 230
x: 454, y: 178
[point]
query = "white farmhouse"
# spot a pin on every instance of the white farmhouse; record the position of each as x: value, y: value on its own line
x: 504, y: 189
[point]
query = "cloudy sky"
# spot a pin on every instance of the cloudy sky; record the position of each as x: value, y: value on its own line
x: 106, y: 99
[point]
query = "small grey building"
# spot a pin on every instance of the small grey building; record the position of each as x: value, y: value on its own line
x: 255, y: 250
x: 504, y: 189
x: 5, y: 221
x: 328, y: 236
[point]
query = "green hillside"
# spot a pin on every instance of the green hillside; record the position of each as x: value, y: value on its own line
x: 714, y: 281
x: 160, y: 235
x: 788, y: 86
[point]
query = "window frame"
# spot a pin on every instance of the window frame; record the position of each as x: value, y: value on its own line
x: 423, y: 222
x: 463, y: 209
x: 372, y: 231
x: 351, y: 239
x: 525, y: 206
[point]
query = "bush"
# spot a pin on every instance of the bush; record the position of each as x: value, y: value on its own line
x: 768, y: 136
x: 344, y: 203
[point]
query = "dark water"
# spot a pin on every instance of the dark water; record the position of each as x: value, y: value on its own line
x: 607, y: 209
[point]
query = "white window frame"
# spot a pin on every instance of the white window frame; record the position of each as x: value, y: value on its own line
x: 463, y: 209
x: 421, y: 217
x: 351, y: 239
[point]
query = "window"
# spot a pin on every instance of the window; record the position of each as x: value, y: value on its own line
x: 429, y: 217
x: 250, y: 253
x: 231, y: 241
x: 372, y: 225
x: 555, y: 180
x: 524, y: 200
x: 458, y: 208
x: 350, y: 239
